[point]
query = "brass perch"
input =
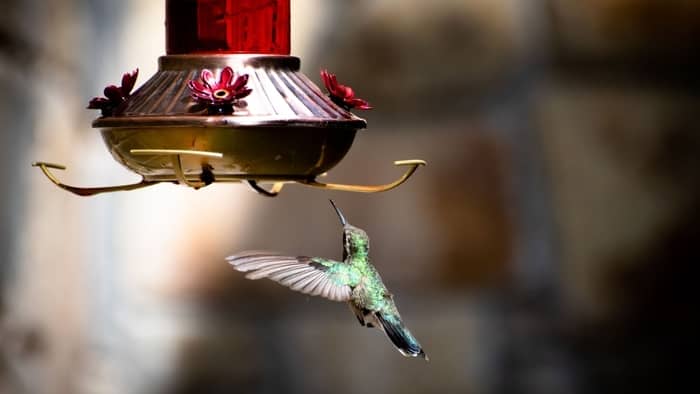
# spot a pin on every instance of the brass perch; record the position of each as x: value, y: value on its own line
x: 412, y: 164
x: 176, y: 157
x: 252, y: 179
x: 86, y: 191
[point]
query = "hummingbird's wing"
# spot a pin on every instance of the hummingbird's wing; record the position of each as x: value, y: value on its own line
x: 309, y: 275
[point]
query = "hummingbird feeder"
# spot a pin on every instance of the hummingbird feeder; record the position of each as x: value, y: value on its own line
x: 229, y: 104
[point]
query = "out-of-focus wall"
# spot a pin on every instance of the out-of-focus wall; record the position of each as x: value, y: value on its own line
x: 545, y: 248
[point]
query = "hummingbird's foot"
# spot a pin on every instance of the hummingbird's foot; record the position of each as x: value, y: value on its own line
x: 359, y: 319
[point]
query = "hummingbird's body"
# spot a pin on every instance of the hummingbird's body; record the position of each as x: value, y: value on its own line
x: 354, y: 280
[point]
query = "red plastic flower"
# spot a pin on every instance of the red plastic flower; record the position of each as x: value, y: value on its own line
x: 220, y: 96
x: 115, y: 97
x: 342, y: 95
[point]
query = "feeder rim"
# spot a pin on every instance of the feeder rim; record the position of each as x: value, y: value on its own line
x: 228, y: 121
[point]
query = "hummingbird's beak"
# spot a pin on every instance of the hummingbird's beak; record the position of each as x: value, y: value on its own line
x: 340, y: 214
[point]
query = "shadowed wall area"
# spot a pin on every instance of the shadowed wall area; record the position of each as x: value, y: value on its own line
x: 546, y: 247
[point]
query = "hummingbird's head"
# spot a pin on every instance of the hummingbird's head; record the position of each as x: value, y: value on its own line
x: 355, y: 240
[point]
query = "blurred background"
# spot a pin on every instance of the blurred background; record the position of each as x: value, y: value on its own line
x: 546, y: 248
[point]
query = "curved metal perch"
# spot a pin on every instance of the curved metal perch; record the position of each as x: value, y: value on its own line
x: 413, y: 164
x: 276, y: 188
x: 182, y: 178
x: 86, y: 191
x: 176, y: 157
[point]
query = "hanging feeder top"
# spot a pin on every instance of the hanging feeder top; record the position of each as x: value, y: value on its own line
x: 252, y: 37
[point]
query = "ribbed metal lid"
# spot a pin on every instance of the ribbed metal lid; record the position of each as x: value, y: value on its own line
x: 281, y: 96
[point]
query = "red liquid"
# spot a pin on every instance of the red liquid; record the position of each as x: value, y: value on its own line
x: 227, y: 26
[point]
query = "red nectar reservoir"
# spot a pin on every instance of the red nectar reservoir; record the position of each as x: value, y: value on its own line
x: 227, y: 26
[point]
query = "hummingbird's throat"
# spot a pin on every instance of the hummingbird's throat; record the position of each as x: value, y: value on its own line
x: 356, y: 244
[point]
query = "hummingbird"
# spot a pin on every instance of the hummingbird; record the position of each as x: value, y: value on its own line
x: 354, y: 280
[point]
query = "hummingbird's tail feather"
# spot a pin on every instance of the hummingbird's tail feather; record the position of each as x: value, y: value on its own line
x: 399, y: 335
